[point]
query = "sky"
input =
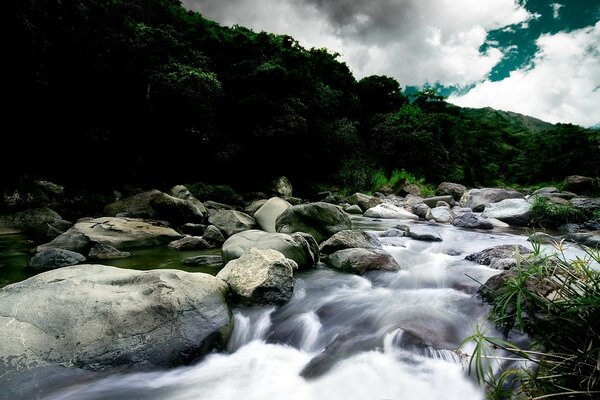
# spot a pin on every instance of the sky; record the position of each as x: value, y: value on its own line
x: 535, y: 57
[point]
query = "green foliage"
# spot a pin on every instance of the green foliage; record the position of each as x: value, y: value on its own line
x: 159, y: 88
x: 355, y: 175
x: 556, y: 301
x: 549, y: 215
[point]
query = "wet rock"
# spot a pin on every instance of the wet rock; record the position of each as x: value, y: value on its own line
x: 487, y: 256
x: 55, y: 258
x: 106, y: 252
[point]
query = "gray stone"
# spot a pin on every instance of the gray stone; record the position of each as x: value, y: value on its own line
x: 190, y: 243
x: 364, y: 201
x: 260, y: 276
x: 55, y: 258
x: 231, y: 222
x: 40, y: 222
x: 487, y: 256
x: 182, y: 192
x: 476, y: 199
x: 106, y: 252
x: 120, y: 233
x: 512, y: 211
x: 347, y: 239
x: 295, y: 246
x: 212, y: 234
x: 442, y: 215
x: 282, y: 187
x: 390, y: 211
x: 456, y: 190
x: 472, y: 221
x: 266, y: 215
x: 589, y: 239
x: 579, y: 184
x: 358, y: 261
x: 353, y: 209
x: 97, y: 317
x: 432, y: 201
x: 321, y: 220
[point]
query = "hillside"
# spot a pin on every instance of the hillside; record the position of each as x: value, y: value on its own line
x: 144, y: 92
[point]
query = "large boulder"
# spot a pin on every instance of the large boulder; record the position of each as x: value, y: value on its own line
x: 136, y: 206
x: 347, y: 239
x: 472, y: 221
x: 182, y: 192
x: 512, y: 211
x: 432, y: 202
x: 298, y: 247
x: 98, y: 317
x: 260, y: 276
x: 442, y: 215
x: 456, y: 190
x: 120, y: 233
x: 579, y: 184
x: 266, y: 215
x: 364, y: 201
x: 476, y: 199
x: 39, y: 222
x: 491, y: 254
x: 320, y: 219
x: 190, y: 243
x: 176, y: 210
x: 282, y: 187
x: 231, y: 222
x: 389, y: 211
x: 55, y: 258
x: 359, y: 260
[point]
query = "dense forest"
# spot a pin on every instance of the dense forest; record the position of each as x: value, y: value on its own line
x: 145, y: 91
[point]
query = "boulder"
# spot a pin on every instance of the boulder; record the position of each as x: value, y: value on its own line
x: 472, y: 221
x: 97, y: 317
x: 177, y: 211
x: 213, y: 235
x: 476, y: 199
x: 353, y: 209
x: 489, y: 255
x: 364, y: 201
x: 456, y: 190
x: 266, y: 215
x: 260, y: 276
x: 136, y: 206
x: 231, y: 222
x: 301, y: 249
x: 55, y: 258
x: 442, y: 215
x: 321, y: 220
x: 586, y: 203
x: 182, y: 192
x: 190, y: 243
x: 512, y: 211
x: 106, y: 252
x: 359, y: 260
x: 589, y: 239
x: 348, y: 239
x: 389, y: 211
x: 433, y: 201
x: 41, y: 222
x: 282, y: 187
x: 579, y: 184
x: 120, y: 233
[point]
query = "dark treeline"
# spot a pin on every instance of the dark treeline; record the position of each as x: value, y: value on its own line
x: 144, y: 91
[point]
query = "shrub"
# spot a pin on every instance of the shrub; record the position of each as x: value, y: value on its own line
x: 549, y: 215
x: 556, y: 301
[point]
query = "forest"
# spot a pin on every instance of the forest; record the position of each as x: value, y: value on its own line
x: 105, y: 92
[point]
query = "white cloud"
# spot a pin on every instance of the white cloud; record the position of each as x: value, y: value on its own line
x: 556, y: 9
x: 561, y: 85
x: 413, y: 41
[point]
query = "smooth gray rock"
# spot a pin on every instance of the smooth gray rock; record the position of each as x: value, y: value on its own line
x: 476, y: 199
x: 389, y: 211
x: 182, y: 192
x: 136, y: 206
x: 357, y: 261
x: 190, y: 243
x: 364, y: 201
x: 443, y: 215
x: 282, y: 187
x: 212, y: 234
x: 589, y: 239
x: 321, y: 220
x: 487, y: 256
x: 456, y: 190
x: 106, y: 252
x: 176, y: 210
x: 512, y: 211
x: 348, y: 239
x: 98, y: 317
x: 41, y: 222
x: 353, y: 209
x: 231, y: 222
x: 266, y: 215
x: 120, y: 233
x: 296, y: 246
x: 472, y: 221
x: 55, y: 258
x: 432, y: 201
x: 260, y: 276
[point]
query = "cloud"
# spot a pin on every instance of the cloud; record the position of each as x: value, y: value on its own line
x: 556, y: 10
x: 562, y: 84
x: 413, y: 41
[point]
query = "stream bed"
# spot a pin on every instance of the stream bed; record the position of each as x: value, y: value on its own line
x: 382, y: 335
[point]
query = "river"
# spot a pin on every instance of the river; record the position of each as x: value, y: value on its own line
x: 382, y: 335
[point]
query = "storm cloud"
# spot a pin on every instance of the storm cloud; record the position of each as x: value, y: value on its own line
x: 420, y: 42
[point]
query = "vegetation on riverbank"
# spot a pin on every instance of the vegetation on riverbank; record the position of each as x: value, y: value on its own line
x: 144, y: 92
x: 556, y: 301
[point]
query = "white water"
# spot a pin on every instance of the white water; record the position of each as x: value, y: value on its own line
x: 384, y: 335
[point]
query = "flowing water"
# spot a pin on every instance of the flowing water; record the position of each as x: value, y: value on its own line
x: 383, y: 335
